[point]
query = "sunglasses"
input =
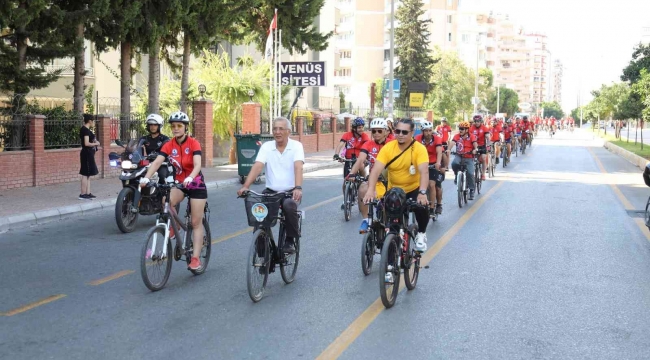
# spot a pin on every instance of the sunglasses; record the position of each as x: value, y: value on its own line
x: 375, y: 131
x: 178, y: 126
x: 463, y: 128
x: 402, y: 132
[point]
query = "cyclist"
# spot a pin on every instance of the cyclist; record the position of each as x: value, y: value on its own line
x: 466, y: 146
x: 369, y: 151
x: 525, y: 128
x: 353, y: 142
x: 283, y: 160
x: 184, y: 153
x: 444, y: 130
x: 495, y: 137
x: 482, y: 135
x: 407, y: 162
x: 391, y: 128
x: 155, y: 140
x: 433, y: 142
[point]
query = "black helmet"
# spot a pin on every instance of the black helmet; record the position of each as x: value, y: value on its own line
x: 395, y: 202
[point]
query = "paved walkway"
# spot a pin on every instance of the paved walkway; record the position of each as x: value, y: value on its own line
x: 30, y: 200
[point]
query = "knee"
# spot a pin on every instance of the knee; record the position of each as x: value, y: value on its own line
x: 289, y: 205
x: 196, y: 221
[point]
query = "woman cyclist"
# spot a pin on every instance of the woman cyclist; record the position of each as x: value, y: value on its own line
x: 184, y: 153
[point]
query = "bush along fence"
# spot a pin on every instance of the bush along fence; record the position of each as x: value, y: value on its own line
x: 37, y: 150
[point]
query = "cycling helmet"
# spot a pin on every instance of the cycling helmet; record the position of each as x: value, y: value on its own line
x: 358, y: 122
x: 518, y: 118
x: 463, y: 124
x: 395, y: 202
x: 477, y: 117
x: 389, y: 120
x: 179, y: 116
x: 508, y: 121
x: 427, y: 125
x: 378, y: 123
x: 525, y: 118
x: 154, y: 119
x: 444, y: 119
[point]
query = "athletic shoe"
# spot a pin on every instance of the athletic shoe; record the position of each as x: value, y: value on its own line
x: 195, y: 263
x: 421, y: 242
x: 363, y: 228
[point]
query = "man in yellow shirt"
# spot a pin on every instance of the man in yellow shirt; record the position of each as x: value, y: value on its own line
x: 408, y: 169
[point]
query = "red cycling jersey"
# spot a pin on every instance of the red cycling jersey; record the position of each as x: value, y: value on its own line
x: 507, y: 132
x: 431, y: 145
x: 181, y: 156
x: 479, y: 133
x: 494, y: 133
x: 371, y: 149
x: 444, y: 131
x: 353, y: 144
x: 464, y: 144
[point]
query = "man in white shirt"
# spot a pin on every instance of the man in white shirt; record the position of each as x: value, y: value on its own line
x: 283, y: 160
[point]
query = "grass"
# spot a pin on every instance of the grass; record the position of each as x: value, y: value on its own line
x: 628, y: 145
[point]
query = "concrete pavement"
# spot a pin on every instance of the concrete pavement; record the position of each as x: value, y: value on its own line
x: 549, y: 266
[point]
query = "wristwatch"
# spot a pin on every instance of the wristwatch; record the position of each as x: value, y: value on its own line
x: 298, y: 187
x: 423, y: 192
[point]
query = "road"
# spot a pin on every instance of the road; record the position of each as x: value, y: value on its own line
x: 546, y: 263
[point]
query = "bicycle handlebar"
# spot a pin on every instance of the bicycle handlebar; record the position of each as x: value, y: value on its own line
x: 286, y: 194
x: 165, y: 186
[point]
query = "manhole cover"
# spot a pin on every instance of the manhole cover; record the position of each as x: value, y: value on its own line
x: 636, y: 213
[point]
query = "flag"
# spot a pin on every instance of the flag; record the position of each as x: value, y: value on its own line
x: 268, y: 53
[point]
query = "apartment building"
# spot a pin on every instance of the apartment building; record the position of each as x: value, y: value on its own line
x: 472, y: 45
x: 540, y: 69
x: 558, y: 70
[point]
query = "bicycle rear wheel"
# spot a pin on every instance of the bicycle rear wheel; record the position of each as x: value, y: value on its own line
x: 155, y: 266
x: 367, y: 252
x: 347, y: 201
x: 206, y: 249
x: 459, y: 187
x: 289, y: 266
x: 389, y: 266
x: 647, y: 214
x: 411, y: 261
x: 257, y: 267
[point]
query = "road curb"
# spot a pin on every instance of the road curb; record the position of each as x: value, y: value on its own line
x: 65, y: 212
x: 633, y: 158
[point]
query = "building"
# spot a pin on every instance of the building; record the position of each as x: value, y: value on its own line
x: 557, y: 81
x: 472, y: 45
x: 540, y: 69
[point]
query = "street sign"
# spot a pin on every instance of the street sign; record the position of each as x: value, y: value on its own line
x: 416, y: 99
x: 302, y: 73
x: 524, y: 106
x: 418, y: 86
x: 395, y: 94
x: 397, y: 85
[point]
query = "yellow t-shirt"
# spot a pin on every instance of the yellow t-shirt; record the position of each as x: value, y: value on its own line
x: 398, y: 172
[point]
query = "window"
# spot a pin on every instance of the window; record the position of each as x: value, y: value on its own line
x: 449, y: 19
x: 449, y: 36
x: 450, y: 2
x: 345, y: 54
x: 465, y: 38
x: 386, y: 55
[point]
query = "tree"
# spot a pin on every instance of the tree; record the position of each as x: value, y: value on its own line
x: 454, y: 86
x: 552, y: 109
x: 485, y: 82
x: 642, y: 89
x: 508, y: 101
x: 412, y: 45
x: 379, y: 93
x: 31, y: 39
x: 640, y: 60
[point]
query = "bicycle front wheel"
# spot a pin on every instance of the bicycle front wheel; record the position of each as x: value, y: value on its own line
x: 289, y: 266
x: 459, y: 184
x: 411, y: 261
x: 257, y: 267
x: 367, y: 252
x: 347, y: 201
x: 477, y: 179
x: 389, y: 271
x: 155, y: 264
x: 206, y: 249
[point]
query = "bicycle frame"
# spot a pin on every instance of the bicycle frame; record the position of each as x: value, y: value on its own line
x: 174, y: 221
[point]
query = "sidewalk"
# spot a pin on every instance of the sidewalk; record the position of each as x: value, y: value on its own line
x: 35, y: 205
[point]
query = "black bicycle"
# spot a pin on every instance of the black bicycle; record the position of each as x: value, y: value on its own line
x: 478, y: 171
x: 263, y: 212
x: 350, y: 193
x: 504, y: 154
x: 398, y: 253
x: 373, y: 240
x: 156, y: 255
x: 461, y: 180
x: 492, y: 160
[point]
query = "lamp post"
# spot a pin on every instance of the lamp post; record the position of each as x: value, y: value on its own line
x: 475, y: 101
x: 391, y: 75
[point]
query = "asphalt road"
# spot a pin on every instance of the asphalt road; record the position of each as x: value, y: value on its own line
x: 548, y: 262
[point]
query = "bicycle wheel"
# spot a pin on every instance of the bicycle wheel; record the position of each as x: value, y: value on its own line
x: 459, y: 187
x: 347, y: 201
x: 647, y: 214
x: 155, y: 266
x: 411, y: 261
x: 367, y: 252
x: 465, y: 190
x: 206, y: 249
x: 478, y: 181
x: 516, y: 147
x: 389, y: 266
x: 257, y: 268
x: 289, y: 266
x: 504, y: 151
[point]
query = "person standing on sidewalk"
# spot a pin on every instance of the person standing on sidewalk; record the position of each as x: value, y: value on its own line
x: 283, y: 160
x: 88, y: 166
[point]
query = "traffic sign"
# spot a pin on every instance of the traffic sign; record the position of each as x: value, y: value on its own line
x: 416, y: 99
x: 524, y: 106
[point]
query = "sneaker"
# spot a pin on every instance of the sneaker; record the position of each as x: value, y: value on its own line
x: 421, y: 242
x: 471, y: 194
x: 172, y: 235
x: 289, y: 246
x: 497, y: 162
x: 83, y: 197
x: 389, y: 275
x: 439, y: 209
x: 91, y: 196
x: 195, y: 263
x: 363, y: 228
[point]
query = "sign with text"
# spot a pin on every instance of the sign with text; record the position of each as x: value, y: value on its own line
x: 302, y: 73
x: 416, y: 99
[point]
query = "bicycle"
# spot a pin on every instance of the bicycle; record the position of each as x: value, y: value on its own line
x: 154, y: 258
x: 398, y: 252
x: 478, y: 171
x: 374, y: 238
x: 461, y: 181
x: 504, y: 154
x: 523, y: 145
x: 264, y: 255
x: 432, y: 214
x: 492, y: 161
x: 515, y: 143
x: 350, y: 193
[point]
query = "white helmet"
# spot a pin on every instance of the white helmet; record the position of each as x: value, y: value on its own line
x: 179, y: 116
x: 427, y: 125
x: 154, y: 119
x: 378, y: 123
x: 389, y: 119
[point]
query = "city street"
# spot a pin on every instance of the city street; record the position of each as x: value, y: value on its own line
x: 550, y: 261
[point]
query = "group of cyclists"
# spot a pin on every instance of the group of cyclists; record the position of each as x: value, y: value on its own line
x: 421, y: 171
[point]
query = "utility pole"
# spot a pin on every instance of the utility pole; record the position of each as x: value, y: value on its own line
x: 391, y: 75
x: 478, y: 38
x: 498, y: 98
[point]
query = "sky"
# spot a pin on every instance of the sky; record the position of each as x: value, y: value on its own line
x: 594, y: 39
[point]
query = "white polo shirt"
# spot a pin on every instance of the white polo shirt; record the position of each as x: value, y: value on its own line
x: 279, y: 167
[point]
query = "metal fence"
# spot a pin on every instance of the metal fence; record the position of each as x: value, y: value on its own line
x: 308, y: 126
x: 340, y: 126
x: 62, y: 133
x: 14, y: 134
x: 326, y: 126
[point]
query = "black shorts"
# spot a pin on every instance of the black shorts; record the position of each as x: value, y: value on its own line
x: 197, y: 189
x: 437, y: 176
x: 482, y: 150
x: 445, y: 146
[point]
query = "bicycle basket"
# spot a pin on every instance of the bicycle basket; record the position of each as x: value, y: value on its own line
x: 262, y: 210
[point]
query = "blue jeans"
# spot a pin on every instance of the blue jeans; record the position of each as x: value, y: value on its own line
x: 469, y: 165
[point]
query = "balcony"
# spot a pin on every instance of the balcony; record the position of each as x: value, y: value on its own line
x: 342, y: 80
x: 345, y: 27
x: 345, y: 43
x: 345, y: 6
x: 346, y: 62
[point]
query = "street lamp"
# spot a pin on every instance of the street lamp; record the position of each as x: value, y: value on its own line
x: 202, y: 91
x: 251, y: 93
x: 391, y: 75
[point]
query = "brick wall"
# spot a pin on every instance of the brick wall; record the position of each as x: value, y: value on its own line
x: 16, y: 169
